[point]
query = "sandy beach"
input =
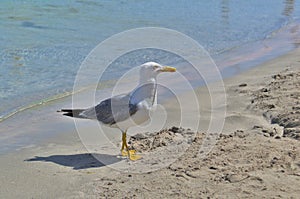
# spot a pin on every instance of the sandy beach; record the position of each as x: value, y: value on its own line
x: 257, y: 154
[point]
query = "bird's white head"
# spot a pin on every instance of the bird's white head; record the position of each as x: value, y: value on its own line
x: 150, y: 70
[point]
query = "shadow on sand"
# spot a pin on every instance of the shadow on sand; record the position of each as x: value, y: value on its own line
x: 79, y: 161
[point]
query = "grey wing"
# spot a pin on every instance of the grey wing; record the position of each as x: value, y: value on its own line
x: 112, y: 110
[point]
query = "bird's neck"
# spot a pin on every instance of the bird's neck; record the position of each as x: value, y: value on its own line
x: 147, y: 81
x: 145, y: 90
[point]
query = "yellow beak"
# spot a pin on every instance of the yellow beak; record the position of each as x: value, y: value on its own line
x: 168, y: 69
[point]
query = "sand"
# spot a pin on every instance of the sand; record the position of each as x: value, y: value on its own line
x: 257, y: 155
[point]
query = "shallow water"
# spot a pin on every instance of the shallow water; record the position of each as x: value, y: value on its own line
x: 42, y: 43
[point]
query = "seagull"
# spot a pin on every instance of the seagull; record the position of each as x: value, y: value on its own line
x: 126, y: 110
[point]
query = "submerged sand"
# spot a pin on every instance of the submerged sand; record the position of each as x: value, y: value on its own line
x: 256, y: 156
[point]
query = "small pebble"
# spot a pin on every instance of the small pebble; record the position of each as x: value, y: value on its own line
x: 243, y: 85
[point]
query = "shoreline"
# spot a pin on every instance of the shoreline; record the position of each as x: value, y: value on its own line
x: 231, y: 62
x: 61, y: 166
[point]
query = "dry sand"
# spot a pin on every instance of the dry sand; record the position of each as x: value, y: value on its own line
x: 256, y: 156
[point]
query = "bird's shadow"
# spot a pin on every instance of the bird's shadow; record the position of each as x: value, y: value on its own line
x: 79, y: 161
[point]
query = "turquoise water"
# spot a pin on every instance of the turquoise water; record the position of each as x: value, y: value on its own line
x: 42, y: 43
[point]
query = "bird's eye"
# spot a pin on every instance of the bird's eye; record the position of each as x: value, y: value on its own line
x: 155, y: 67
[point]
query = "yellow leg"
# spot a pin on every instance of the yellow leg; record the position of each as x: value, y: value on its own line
x: 130, y: 153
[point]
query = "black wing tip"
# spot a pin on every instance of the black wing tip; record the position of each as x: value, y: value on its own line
x: 71, y: 112
x: 66, y: 112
